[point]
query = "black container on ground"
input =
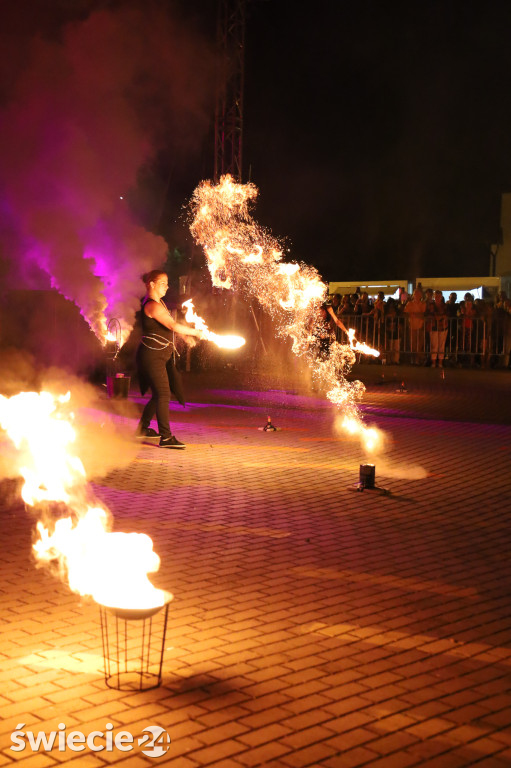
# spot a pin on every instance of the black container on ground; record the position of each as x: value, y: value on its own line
x: 133, y: 647
x: 367, y: 475
x: 118, y: 386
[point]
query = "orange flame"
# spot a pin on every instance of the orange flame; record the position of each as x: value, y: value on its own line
x: 361, y: 346
x: 244, y: 256
x: 224, y: 341
x: 110, y: 567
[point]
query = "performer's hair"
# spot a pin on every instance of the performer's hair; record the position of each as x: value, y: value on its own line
x: 151, y: 276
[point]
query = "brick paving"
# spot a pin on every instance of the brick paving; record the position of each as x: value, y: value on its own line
x: 312, y: 624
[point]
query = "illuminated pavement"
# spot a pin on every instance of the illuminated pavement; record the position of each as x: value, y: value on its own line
x: 312, y: 624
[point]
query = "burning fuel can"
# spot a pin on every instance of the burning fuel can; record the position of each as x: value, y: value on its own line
x: 118, y: 385
x: 367, y: 475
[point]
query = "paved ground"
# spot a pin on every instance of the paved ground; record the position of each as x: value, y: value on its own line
x: 312, y: 624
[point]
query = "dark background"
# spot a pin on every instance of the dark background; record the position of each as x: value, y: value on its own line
x: 378, y: 133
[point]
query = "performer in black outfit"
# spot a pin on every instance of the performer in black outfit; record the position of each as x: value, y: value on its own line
x: 154, y: 358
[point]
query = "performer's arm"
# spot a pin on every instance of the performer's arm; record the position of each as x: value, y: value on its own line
x: 336, y: 320
x: 160, y: 313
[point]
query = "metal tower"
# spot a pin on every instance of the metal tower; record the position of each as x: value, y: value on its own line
x: 229, y: 103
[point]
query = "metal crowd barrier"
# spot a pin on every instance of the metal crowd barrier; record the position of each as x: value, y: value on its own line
x: 467, y: 340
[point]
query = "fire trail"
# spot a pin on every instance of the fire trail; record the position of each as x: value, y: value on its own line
x: 243, y: 256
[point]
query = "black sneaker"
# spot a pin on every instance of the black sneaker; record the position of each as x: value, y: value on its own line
x: 171, y: 442
x: 147, y: 432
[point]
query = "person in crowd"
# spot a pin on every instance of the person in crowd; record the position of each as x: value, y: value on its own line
x: 379, y: 306
x: 346, y: 307
x: 502, y: 317
x: 467, y: 313
x: 438, y: 333
x: 377, y: 314
x: 403, y: 301
x: 363, y: 324
x: 452, y: 307
x: 415, y: 310
x: 336, y: 302
x: 155, y: 361
x: 428, y: 323
x: 484, y: 312
x: 392, y: 330
x: 363, y: 305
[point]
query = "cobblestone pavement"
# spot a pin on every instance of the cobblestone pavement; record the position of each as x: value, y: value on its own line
x: 312, y: 625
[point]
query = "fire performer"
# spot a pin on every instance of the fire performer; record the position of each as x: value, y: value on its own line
x: 156, y: 367
x: 324, y: 331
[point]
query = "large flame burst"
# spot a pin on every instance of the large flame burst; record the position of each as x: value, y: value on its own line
x: 111, y: 567
x: 243, y: 256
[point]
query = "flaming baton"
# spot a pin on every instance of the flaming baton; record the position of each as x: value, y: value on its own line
x: 360, y: 346
x: 224, y: 342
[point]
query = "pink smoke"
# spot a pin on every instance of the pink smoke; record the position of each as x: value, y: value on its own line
x: 83, y: 115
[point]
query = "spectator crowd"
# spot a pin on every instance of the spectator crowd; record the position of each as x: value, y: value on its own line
x: 424, y: 329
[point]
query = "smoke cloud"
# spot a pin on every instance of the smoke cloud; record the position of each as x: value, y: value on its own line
x: 82, y: 111
x: 103, y: 441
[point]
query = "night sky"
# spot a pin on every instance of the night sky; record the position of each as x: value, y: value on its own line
x: 378, y: 133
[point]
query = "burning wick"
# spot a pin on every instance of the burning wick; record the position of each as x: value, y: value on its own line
x: 224, y: 342
x: 360, y: 346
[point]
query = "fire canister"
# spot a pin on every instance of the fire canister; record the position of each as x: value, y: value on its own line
x: 118, y: 385
x: 367, y: 475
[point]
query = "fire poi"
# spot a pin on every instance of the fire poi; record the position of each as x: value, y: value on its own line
x: 244, y: 256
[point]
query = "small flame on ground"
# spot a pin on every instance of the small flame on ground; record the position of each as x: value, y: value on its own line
x: 110, y: 567
x: 225, y: 341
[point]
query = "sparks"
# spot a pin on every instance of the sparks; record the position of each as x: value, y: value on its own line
x: 243, y: 256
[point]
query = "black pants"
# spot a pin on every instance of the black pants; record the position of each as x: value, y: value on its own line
x: 153, y: 373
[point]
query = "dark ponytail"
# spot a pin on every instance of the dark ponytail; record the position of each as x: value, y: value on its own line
x: 151, y: 277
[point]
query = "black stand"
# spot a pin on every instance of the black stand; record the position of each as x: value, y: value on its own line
x: 133, y: 647
x: 366, y: 481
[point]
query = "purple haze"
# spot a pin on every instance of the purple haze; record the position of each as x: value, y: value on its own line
x: 81, y: 113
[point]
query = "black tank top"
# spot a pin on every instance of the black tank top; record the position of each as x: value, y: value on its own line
x: 155, y: 335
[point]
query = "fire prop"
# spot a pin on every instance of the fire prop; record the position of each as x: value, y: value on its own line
x: 360, y: 346
x: 110, y: 567
x: 224, y: 342
x: 367, y: 480
x: 243, y: 256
